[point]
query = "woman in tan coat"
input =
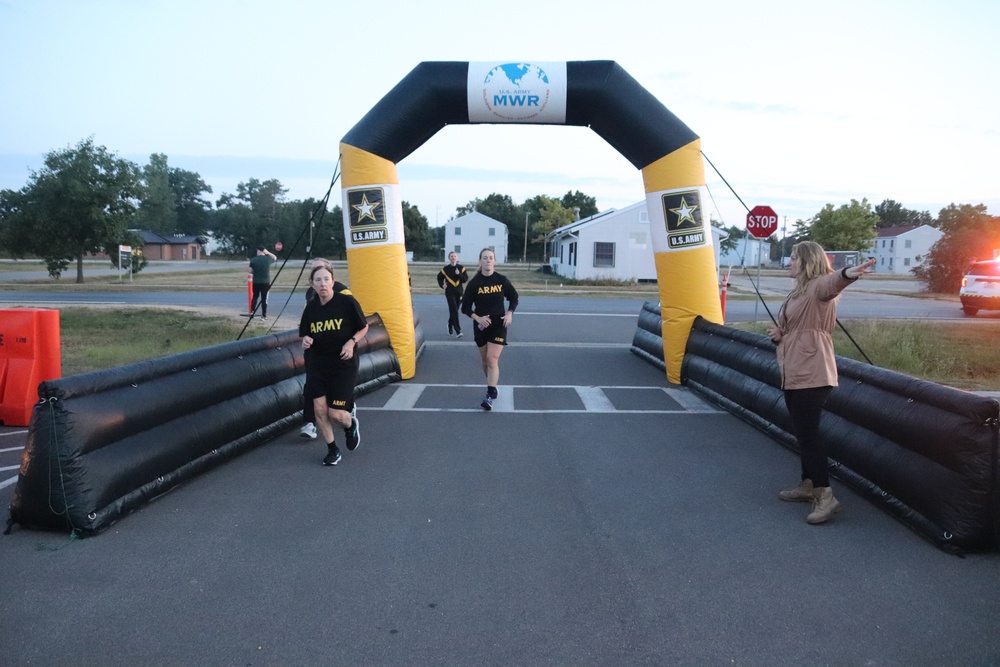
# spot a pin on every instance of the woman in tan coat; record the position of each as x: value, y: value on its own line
x: 808, y: 368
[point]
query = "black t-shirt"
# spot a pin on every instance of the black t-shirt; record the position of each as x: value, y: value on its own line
x: 487, y: 294
x: 331, y: 325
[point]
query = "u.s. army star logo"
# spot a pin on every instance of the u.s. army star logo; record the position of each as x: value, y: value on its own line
x: 367, y: 207
x: 682, y: 213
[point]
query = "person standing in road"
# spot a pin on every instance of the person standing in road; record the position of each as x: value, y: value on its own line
x: 331, y: 327
x: 450, y: 279
x: 484, y: 303
x: 261, y: 267
x: 803, y: 334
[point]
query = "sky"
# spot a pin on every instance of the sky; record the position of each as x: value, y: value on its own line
x: 797, y: 104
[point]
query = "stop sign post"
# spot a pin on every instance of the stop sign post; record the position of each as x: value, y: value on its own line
x: 762, y: 221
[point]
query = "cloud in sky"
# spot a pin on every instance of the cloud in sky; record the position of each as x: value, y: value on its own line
x: 797, y: 104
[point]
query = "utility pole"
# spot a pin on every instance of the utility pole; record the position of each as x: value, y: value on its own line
x: 524, y: 257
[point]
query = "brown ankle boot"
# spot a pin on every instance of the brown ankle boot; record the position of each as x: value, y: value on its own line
x: 824, y: 505
x: 803, y: 493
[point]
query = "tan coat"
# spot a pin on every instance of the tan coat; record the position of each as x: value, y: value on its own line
x: 805, y: 325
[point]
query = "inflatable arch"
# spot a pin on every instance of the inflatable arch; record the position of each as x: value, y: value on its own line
x: 596, y: 94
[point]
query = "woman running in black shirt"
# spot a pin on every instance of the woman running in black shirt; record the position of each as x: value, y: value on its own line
x: 332, y: 325
x: 484, y: 303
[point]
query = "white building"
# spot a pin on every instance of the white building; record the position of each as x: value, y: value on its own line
x: 898, y: 250
x: 749, y: 251
x: 614, y: 245
x: 470, y: 233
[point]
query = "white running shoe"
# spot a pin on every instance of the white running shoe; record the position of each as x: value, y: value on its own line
x: 308, y: 431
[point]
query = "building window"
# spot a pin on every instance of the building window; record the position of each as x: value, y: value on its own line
x: 644, y: 216
x: 908, y: 243
x: 572, y: 253
x: 493, y: 231
x: 604, y: 253
x: 458, y: 249
x: 906, y: 260
x: 458, y: 231
x: 892, y: 243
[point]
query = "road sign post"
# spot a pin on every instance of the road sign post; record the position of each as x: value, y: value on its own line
x: 762, y: 221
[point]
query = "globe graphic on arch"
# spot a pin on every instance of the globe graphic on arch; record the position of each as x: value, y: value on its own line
x: 517, y: 75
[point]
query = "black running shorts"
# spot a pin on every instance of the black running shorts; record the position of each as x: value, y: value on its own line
x: 496, y: 333
x: 335, y: 382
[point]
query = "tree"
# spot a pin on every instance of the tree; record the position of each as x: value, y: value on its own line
x: 192, y: 209
x: 250, y: 217
x: 552, y: 216
x: 521, y: 218
x: 158, y: 208
x: 969, y: 235
x: 850, y: 227
x: 892, y: 214
x: 416, y: 232
x: 733, y: 236
x: 577, y: 200
x: 82, y: 201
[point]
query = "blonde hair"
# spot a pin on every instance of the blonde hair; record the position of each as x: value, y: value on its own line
x: 813, y: 264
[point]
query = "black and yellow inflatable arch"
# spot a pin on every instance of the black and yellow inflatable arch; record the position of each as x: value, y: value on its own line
x: 596, y: 94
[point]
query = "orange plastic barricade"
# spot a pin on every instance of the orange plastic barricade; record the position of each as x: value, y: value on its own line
x: 29, y: 354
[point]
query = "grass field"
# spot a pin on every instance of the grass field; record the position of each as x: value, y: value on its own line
x: 959, y: 355
x: 233, y: 277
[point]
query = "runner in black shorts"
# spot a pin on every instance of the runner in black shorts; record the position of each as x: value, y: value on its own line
x: 484, y: 303
x: 308, y: 429
x: 331, y: 326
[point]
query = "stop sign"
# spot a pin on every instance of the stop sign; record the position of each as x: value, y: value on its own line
x: 277, y: 246
x: 762, y: 221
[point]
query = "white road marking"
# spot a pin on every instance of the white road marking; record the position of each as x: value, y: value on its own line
x: 594, y: 399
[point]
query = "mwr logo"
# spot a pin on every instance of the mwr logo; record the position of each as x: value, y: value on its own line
x: 366, y: 207
x: 369, y: 236
x: 516, y: 91
x: 682, y: 213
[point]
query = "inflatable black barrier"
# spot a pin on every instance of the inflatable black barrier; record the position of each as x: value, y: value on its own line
x: 101, y: 444
x: 924, y: 452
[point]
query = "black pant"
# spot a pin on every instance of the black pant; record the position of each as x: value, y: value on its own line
x: 805, y: 407
x: 260, y: 292
x: 454, y: 301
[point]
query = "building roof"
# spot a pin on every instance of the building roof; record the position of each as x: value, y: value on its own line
x: 477, y: 218
x: 576, y: 224
x: 153, y: 238
x: 883, y: 232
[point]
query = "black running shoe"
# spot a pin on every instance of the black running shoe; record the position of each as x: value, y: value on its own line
x: 487, y: 403
x: 353, y: 435
x: 333, y: 457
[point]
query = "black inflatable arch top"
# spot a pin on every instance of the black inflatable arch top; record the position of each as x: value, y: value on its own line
x: 600, y: 95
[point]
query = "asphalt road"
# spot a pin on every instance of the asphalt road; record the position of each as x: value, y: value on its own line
x: 599, y: 516
x: 856, y: 304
